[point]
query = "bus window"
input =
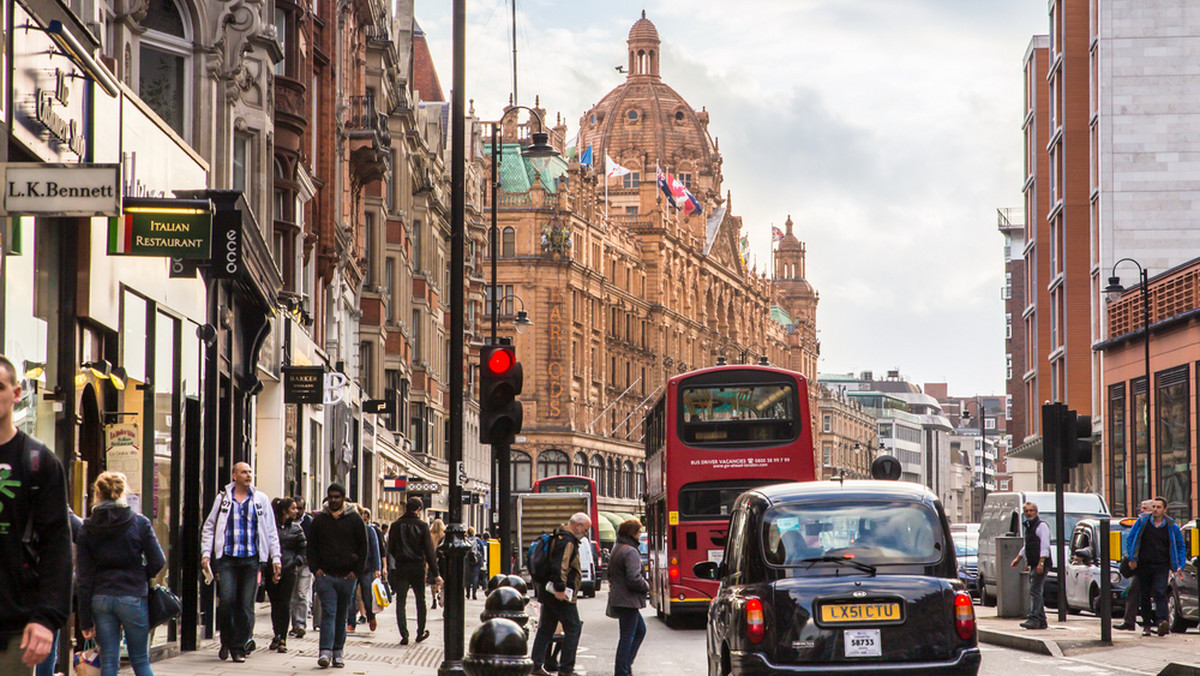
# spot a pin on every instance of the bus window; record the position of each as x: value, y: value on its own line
x: 713, y: 500
x: 738, y: 414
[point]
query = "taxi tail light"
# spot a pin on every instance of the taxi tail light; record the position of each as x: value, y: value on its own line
x: 964, y: 615
x: 756, y: 624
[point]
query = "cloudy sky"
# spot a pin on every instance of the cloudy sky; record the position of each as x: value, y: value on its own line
x: 888, y: 129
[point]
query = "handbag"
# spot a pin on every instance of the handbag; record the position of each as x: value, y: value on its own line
x: 164, y: 605
x: 1124, y: 568
x: 86, y: 662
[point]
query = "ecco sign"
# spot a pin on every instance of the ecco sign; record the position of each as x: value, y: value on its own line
x: 61, y: 189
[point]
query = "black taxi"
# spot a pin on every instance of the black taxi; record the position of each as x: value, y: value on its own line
x: 839, y: 577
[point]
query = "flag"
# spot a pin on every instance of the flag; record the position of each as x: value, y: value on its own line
x: 684, y: 197
x: 612, y: 169
x: 776, y: 235
x: 744, y: 247
x: 664, y: 184
x: 586, y: 159
x: 395, y: 483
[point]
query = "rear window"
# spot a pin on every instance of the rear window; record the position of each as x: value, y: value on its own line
x: 738, y: 414
x: 875, y: 532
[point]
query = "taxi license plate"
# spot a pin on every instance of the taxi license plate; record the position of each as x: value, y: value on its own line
x: 860, y: 612
x: 862, y: 643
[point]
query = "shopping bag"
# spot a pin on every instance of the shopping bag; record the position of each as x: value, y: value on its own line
x: 381, y: 594
x: 87, y: 661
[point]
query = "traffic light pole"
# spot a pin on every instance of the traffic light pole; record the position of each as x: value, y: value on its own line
x: 504, y: 476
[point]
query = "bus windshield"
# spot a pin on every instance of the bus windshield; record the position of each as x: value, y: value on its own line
x: 722, y: 414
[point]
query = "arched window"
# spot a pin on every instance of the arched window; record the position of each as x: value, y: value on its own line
x: 164, y: 56
x: 522, y: 467
x: 508, y: 243
x: 581, y: 464
x: 639, y: 479
x: 627, y: 480
x: 552, y: 462
x: 614, y: 485
x: 597, y: 473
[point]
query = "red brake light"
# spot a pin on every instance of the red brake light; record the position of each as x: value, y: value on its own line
x: 500, y: 362
x: 756, y: 625
x: 673, y: 572
x: 964, y: 615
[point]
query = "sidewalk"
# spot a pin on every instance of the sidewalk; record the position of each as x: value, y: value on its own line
x: 367, y: 653
x: 1079, y: 639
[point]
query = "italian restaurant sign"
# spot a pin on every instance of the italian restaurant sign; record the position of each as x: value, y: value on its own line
x: 179, y: 231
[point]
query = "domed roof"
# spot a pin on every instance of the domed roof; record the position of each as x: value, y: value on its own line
x: 643, y: 30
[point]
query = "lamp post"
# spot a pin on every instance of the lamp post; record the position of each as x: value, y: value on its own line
x: 1114, y: 291
x: 743, y: 353
x: 539, y: 152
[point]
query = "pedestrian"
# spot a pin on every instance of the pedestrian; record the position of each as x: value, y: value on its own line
x: 485, y: 540
x: 627, y: 589
x: 241, y: 536
x: 292, y: 554
x: 558, y: 597
x: 370, y: 572
x: 35, y: 540
x: 474, y: 562
x: 437, y: 530
x: 1133, y: 592
x: 118, y: 556
x: 1155, y: 550
x: 302, y: 595
x: 337, y: 553
x: 1036, y: 553
x: 48, y: 666
x: 410, y: 549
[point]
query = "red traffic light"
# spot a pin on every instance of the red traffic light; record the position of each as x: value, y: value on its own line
x: 500, y: 362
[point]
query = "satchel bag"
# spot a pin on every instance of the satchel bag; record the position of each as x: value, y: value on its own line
x: 164, y: 605
x: 1124, y: 568
x: 86, y: 662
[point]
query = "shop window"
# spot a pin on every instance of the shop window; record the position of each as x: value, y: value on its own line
x: 1116, y: 446
x: 164, y: 64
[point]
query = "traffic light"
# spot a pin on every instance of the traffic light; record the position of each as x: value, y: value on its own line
x: 1076, y: 435
x: 1052, y: 435
x: 500, y: 380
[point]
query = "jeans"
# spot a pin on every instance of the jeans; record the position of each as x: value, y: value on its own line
x: 281, y: 600
x: 472, y: 582
x: 337, y: 601
x: 46, y: 668
x: 301, y: 597
x: 633, y: 630
x: 1133, y: 601
x: 1037, y: 600
x: 112, y: 614
x: 1153, y: 580
x: 237, y: 584
x: 554, y: 612
x: 403, y: 578
x: 367, y: 596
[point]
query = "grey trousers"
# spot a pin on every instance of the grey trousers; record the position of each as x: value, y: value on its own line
x: 302, y: 598
x: 1037, y: 600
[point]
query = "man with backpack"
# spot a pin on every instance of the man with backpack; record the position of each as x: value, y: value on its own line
x: 474, y: 562
x: 555, y: 569
x: 410, y: 549
x: 35, y: 540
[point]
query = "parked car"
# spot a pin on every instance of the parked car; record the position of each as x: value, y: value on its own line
x: 1082, y: 577
x: 821, y: 577
x: 966, y: 552
x: 1182, y: 595
x: 1002, y: 516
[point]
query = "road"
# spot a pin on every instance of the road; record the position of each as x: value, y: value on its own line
x: 681, y: 651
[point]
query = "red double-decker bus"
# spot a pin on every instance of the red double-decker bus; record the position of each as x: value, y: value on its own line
x: 713, y: 434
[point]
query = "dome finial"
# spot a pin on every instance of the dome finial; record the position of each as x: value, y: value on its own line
x: 643, y: 14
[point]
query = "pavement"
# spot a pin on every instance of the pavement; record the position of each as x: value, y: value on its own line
x: 1079, y: 639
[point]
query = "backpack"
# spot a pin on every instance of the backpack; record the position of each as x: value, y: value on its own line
x: 538, y: 559
x: 475, y: 555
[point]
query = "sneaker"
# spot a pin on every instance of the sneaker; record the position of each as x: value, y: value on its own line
x: 1125, y: 626
x: 541, y: 671
x: 373, y: 624
x: 282, y: 647
x: 1029, y: 624
x: 349, y: 627
x: 325, y: 659
x: 403, y: 640
x: 298, y: 632
x: 223, y: 653
x: 238, y: 657
x: 1164, y: 628
x: 422, y: 636
x: 274, y: 644
x: 339, y: 663
x: 250, y: 646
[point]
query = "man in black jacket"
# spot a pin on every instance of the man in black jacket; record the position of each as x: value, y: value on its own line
x: 410, y: 549
x: 35, y: 540
x: 558, y: 597
x: 337, y: 552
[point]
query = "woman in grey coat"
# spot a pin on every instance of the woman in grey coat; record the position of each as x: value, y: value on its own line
x: 627, y: 594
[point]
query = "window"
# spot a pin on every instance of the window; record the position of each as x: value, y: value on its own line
x: 281, y: 32
x: 369, y: 248
x: 633, y: 115
x: 627, y: 480
x: 1172, y: 435
x: 389, y: 276
x: 874, y: 532
x: 416, y: 245
x: 686, y: 179
x: 243, y: 154
x: 552, y: 462
x: 640, y: 479
x: 1140, y: 410
x: 1116, y: 446
x: 1008, y: 325
x: 581, y: 464
x: 415, y: 333
x: 508, y: 243
x: 366, y: 367
x: 630, y: 180
x: 827, y: 423
x: 522, y: 468
x: 597, y: 473
x: 827, y: 453
x: 164, y: 52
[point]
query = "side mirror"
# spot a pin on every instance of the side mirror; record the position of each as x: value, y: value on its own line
x: 707, y: 570
x: 1012, y: 525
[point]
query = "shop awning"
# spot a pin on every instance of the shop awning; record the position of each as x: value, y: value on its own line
x: 1030, y: 450
x: 608, y: 532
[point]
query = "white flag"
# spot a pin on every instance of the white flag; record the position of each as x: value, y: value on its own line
x: 613, y: 169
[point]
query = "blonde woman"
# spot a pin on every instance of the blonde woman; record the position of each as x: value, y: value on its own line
x: 437, y: 530
x: 118, y: 554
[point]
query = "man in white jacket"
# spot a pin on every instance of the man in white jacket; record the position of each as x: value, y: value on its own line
x: 240, y: 535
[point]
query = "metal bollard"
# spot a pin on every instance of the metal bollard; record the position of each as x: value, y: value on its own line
x: 495, y: 581
x: 507, y: 603
x: 498, y: 648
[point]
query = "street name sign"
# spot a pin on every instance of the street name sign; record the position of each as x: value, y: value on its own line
x: 64, y: 190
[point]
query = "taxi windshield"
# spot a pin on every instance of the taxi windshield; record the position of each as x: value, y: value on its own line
x: 875, y: 532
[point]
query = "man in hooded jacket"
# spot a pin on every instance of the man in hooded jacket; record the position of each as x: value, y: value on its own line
x: 337, y: 555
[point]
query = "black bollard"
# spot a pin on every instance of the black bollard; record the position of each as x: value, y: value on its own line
x: 496, y: 580
x: 498, y: 648
x: 507, y: 603
x: 518, y: 583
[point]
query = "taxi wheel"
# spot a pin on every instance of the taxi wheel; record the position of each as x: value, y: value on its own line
x: 1094, y: 600
x: 1178, y: 624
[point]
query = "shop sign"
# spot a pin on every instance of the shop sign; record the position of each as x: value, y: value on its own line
x: 395, y: 483
x: 182, y: 232
x: 70, y: 190
x: 227, y: 256
x: 50, y: 94
x: 303, y: 384
x: 424, y: 487
x: 554, y: 359
x: 123, y: 454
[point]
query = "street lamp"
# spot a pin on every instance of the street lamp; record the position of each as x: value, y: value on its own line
x: 522, y: 321
x: 743, y: 353
x: 539, y: 151
x: 1114, y: 291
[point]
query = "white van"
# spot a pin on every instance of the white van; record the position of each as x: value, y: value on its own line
x: 1002, y: 516
x: 587, y: 565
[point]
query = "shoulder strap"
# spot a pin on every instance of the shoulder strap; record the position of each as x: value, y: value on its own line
x: 32, y: 474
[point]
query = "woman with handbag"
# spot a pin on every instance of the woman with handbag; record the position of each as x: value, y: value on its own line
x: 437, y: 530
x: 118, y: 555
x: 292, y: 544
x: 627, y: 594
